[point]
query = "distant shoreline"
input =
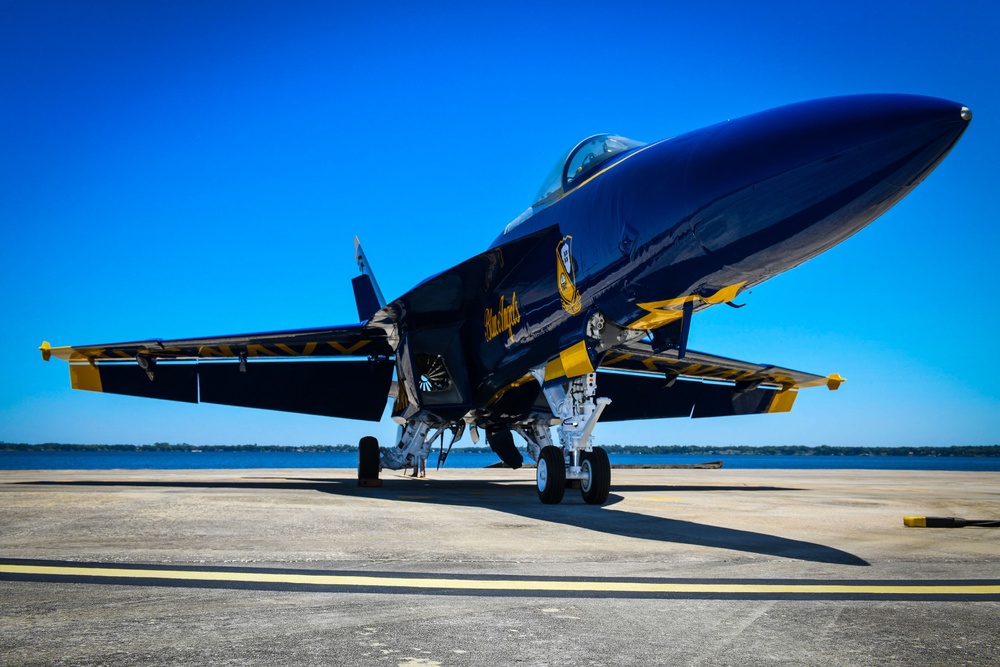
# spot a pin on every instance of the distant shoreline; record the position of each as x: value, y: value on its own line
x: 789, y: 450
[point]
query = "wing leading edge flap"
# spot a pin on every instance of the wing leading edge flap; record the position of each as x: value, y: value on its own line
x: 356, y: 389
x: 355, y: 340
x: 638, y: 357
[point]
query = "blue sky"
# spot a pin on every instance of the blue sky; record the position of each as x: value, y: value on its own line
x: 182, y: 169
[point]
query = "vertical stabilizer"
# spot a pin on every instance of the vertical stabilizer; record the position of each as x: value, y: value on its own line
x: 367, y: 294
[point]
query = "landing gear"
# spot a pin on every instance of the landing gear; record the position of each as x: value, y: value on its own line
x: 550, y: 476
x: 413, y: 445
x: 576, y: 407
x: 595, y: 484
x: 368, y: 462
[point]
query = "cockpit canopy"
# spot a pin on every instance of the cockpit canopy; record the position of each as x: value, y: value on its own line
x: 582, y: 160
x: 573, y: 168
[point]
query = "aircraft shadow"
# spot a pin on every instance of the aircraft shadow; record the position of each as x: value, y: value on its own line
x: 520, y: 499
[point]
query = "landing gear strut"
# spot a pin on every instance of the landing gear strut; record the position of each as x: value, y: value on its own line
x: 575, y: 406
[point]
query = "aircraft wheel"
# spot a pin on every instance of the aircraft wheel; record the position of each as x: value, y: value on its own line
x: 596, y: 482
x: 550, y: 476
x: 368, y: 459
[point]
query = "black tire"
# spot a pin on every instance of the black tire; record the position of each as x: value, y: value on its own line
x: 550, y: 476
x: 596, y: 486
x: 368, y: 458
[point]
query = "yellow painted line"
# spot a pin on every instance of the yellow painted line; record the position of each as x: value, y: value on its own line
x: 501, y: 584
x: 663, y: 498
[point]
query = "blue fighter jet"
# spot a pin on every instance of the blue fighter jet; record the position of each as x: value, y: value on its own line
x: 580, y: 310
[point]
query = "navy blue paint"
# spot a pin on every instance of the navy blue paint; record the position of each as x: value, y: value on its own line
x: 365, y: 297
x: 741, y: 201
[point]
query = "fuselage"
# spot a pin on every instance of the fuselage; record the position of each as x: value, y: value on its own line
x: 624, y: 241
x: 694, y: 220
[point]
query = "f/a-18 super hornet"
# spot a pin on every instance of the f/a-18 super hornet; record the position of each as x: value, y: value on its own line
x: 580, y: 310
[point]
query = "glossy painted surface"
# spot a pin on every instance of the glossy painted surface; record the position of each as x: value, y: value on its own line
x: 641, y: 237
x: 735, y: 203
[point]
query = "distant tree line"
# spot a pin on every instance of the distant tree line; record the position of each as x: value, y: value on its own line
x: 167, y: 447
x: 767, y: 450
x: 803, y: 450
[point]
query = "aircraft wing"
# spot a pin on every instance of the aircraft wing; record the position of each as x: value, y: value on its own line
x: 644, y: 384
x: 341, y: 371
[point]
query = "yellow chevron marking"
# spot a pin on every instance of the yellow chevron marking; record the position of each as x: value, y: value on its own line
x: 671, y: 310
x: 221, y: 351
x: 615, y: 360
x: 725, y: 294
x: 339, y: 347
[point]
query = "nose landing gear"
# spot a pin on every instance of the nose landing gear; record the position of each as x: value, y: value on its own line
x: 550, y: 475
x: 594, y: 475
x: 595, y: 483
x: 577, y: 409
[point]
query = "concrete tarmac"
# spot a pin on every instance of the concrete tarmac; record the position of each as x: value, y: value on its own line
x: 680, y: 567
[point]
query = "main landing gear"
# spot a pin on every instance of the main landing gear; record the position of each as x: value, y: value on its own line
x: 368, y: 462
x: 577, y: 409
x: 594, y: 475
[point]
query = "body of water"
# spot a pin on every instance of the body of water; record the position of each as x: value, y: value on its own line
x: 132, y: 460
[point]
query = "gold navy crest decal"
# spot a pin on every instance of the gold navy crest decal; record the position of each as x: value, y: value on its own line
x: 566, y: 276
x: 503, y: 318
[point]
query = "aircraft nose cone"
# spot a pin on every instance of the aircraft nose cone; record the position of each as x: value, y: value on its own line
x: 882, y: 128
x: 802, y: 178
x: 908, y: 137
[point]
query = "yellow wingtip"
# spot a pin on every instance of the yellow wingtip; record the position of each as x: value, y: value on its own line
x: 46, y: 350
x: 834, y: 381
